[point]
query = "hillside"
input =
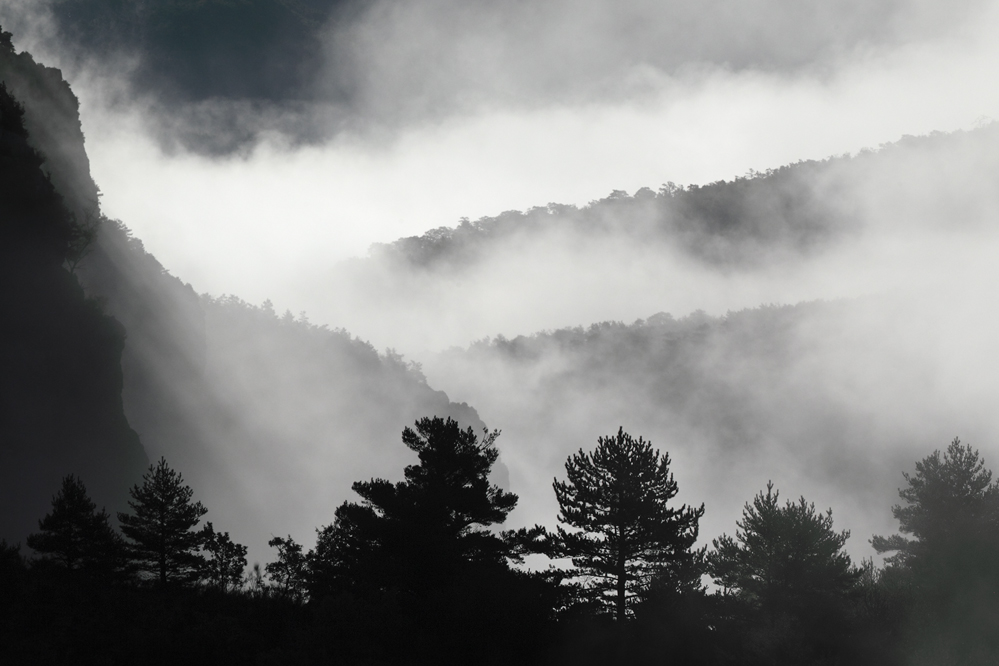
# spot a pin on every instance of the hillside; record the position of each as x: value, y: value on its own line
x: 788, y: 212
x: 841, y: 227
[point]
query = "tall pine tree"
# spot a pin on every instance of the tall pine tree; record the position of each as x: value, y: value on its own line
x: 75, y: 535
x: 164, y: 543
x: 419, y: 533
x: 788, y: 576
x: 626, y: 533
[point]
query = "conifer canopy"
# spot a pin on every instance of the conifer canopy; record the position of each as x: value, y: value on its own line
x: 626, y: 534
x: 164, y: 543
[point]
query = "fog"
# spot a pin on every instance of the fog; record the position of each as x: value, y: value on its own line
x: 443, y: 112
x: 829, y: 401
x: 434, y: 57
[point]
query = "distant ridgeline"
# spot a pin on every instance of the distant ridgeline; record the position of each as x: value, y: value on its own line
x: 795, y: 209
x: 216, y: 385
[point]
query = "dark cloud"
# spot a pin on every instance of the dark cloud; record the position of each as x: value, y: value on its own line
x: 215, y: 76
x: 190, y: 51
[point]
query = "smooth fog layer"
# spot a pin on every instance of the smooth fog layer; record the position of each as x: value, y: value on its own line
x: 409, y: 59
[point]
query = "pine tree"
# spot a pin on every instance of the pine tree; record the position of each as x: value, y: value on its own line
x: 783, y: 556
x: 617, y: 498
x: 291, y: 569
x: 950, y: 502
x: 225, y: 561
x: 951, y: 561
x: 418, y: 533
x: 164, y: 543
x: 790, y: 580
x: 75, y: 535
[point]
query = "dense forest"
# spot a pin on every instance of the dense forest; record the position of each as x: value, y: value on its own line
x: 571, y: 538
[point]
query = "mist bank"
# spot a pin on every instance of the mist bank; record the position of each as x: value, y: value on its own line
x: 830, y: 400
x: 920, y: 211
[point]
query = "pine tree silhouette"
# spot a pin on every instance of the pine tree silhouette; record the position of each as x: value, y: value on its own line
x: 617, y: 497
x: 164, y: 543
x: 75, y: 535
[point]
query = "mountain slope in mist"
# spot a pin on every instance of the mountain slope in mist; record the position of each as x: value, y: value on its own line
x: 723, y: 223
x: 841, y: 227
x: 270, y: 419
x: 52, y: 119
x: 790, y: 211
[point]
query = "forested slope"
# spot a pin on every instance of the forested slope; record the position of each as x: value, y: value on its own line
x: 841, y: 227
x: 797, y: 209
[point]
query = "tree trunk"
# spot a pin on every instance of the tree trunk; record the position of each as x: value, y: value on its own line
x: 621, y: 576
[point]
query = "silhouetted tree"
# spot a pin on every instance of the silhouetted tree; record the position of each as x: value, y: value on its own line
x: 164, y: 542
x: 787, y: 568
x: 290, y: 571
x: 419, y: 532
x: 950, y: 501
x: 75, y: 535
x: 618, y: 497
x: 226, y: 560
x: 11, y: 563
x: 415, y: 571
x: 951, y: 561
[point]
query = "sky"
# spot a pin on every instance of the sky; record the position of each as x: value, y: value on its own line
x: 463, y: 110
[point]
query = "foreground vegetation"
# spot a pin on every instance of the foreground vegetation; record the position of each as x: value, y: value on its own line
x: 417, y: 573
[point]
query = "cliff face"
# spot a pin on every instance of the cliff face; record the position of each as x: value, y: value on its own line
x: 52, y: 119
x: 60, y: 354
